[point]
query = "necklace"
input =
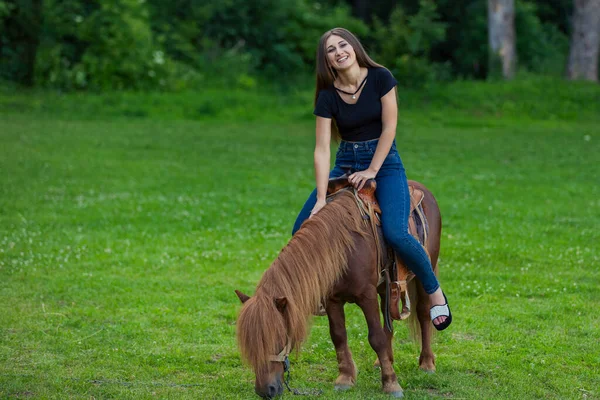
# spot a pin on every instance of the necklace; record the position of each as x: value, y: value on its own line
x: 353, y: 94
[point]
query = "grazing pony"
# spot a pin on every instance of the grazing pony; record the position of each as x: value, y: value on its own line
x: 331, y: 259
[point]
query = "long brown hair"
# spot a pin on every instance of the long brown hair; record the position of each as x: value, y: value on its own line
x: 326, y: 75
x: 304, y: 273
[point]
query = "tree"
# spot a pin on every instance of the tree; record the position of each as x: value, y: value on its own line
x: 585, y: 41
x: 501, y: 35
x: 19, y: 39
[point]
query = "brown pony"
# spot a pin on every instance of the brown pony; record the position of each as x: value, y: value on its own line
x: 332, y: 258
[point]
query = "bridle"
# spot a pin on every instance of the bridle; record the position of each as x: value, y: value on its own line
x: 283, y: 357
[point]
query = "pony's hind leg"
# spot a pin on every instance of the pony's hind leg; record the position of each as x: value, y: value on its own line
x: 381, y: 344
x: 427, y: 358
x: 339, y: 337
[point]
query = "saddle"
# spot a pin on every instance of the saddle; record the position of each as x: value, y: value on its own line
x: 397, y: 276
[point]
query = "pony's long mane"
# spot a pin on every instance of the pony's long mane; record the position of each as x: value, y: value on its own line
x: 304, y: 273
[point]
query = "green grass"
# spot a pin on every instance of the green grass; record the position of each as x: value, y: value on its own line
x: 124, y: 233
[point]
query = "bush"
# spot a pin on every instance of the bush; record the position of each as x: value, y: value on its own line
x: 20, y: 26
x: 404, y: 45
x: 100, y: 45
x: 276, y: 38
x: 232, y: 42
x: 178, y: 44
x: 466, y: 44
x: 541, y: 48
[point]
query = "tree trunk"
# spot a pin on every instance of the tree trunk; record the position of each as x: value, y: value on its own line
x: 501, y: 32
x: 33, y: 41
x: 585, y: 41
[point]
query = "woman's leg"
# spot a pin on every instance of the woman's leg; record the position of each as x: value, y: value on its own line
x: 394, y: 199
x: 312, y: 200
x: 305, y: 212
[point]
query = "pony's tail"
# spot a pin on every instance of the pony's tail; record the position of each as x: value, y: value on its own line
x: 414, y: 326
x: 414, y: 293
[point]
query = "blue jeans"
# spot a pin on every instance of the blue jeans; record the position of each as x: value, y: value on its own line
x: 394, y: 199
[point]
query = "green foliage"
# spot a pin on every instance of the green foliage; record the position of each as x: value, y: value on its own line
x: 556, y: 12
x: 541, y: 47
x: 101, y: 45
x: 5, y: 8
x: 310, y: 20
x: 237, y: 38
x: 179, y: 25
x: 466, y: 44
x: 20, y: 27
x: 405, y: 43
x: 183, y: 44
x: 130, y: 44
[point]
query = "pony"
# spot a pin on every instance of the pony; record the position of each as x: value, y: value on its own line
x: 332, y: 259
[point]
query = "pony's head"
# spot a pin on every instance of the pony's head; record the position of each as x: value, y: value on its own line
x: 263, y: 341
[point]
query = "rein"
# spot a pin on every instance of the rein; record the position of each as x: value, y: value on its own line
x: 283, y: 357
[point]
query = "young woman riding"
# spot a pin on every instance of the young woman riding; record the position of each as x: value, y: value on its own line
x: 355, y: 101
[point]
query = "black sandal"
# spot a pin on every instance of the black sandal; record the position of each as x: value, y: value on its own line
x: 441, y: 311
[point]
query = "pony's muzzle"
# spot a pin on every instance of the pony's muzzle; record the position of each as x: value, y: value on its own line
x: 271, y: 391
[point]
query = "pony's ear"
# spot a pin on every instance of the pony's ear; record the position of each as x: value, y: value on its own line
x: 243, y: 298
x: 281, y: 304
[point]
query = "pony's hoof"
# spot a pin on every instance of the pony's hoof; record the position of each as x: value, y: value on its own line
x: 344, y: 382
x: 393, y: 389
x: 427, y: 364
x: 342, y: 388
x: 428, y: 371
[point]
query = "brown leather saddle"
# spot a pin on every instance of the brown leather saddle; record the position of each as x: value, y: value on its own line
x: 397, y: 276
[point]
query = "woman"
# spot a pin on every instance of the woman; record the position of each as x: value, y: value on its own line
x: 357, y: 94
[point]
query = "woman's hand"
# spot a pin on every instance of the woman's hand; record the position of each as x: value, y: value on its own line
x: 320, y: 204
x: 359, y: 178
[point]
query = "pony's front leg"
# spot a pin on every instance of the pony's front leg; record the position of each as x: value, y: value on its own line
x: 339, y: 337
x: 380, y: 343
x: 388, y: 334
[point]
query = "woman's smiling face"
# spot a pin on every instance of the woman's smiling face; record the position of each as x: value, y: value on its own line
x: 340, y: 54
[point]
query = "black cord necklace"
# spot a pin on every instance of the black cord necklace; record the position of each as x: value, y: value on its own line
x: 353, y: 94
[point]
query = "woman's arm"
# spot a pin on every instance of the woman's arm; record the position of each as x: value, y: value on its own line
x: 322, y: 159
x: 389, y: 118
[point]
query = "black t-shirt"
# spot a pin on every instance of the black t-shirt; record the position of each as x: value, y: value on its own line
x: 361, y: 121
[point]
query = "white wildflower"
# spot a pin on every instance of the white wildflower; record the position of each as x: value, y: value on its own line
x: 159, y: 57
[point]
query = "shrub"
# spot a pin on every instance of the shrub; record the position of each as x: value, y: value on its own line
x: 100, y: 45
x: 404, y: 44
x: 541, y: 48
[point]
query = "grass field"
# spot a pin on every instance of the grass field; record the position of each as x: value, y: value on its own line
x: 127, y: 220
